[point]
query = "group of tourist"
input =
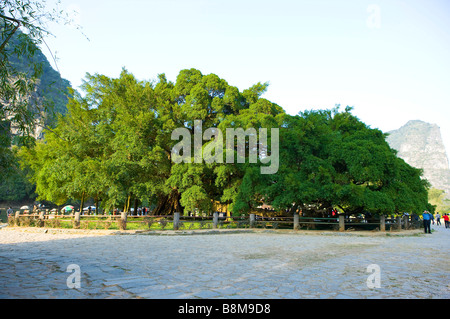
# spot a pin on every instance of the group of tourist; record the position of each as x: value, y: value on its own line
x: 446, y: 218
x: 428, y: 219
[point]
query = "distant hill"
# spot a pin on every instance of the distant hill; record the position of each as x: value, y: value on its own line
x: 51, y: 88
x: 420, y: 145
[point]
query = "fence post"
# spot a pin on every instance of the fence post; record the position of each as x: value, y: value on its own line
x: 252, y: 220
x: 296, y: 221
x: 382, y: 223
x: 176, y: 221
x: 341, y: 223
x: 406, y: 219
x: 16, y: 218
x: 41, y: 221
x: 123, y: 220
x: 215, y: 219
x: 399, y: 222
x: 76, y: 220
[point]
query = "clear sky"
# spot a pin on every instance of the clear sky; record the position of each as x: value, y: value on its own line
x: 390, y: 59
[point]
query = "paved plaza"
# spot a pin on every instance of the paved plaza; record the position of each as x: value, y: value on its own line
x: 267, y: 264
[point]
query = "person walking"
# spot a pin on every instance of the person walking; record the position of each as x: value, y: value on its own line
x: 438, y: 218
x: 9, y: 212
x: 446, y: 219
x: 426, y: 222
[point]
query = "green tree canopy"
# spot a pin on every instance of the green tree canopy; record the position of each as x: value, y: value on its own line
x: 115, y: 144
x: 439, y: 200
x: 330, y: 160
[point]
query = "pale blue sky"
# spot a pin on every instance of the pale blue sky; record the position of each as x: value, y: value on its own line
x: 388, y: 59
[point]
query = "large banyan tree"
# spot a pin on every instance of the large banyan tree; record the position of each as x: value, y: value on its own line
x: 116, y: 145
x: 331, y: 160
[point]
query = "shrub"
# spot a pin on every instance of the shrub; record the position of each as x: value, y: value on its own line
x: 52, y: 223
x: 163, y: 223
x: 149, y: 222
x: 84, y: 224
x: 107, y: 223
x: 25, y: 221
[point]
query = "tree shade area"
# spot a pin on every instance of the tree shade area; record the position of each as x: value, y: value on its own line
x: 115, y: 145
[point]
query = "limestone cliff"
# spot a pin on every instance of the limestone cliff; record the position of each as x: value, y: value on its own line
x: 50, y: 94
x: 420, y: 145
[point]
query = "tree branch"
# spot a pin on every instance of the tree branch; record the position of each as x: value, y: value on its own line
x: 2, y: 47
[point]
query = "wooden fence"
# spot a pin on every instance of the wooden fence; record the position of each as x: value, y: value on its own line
x: 179, y: 222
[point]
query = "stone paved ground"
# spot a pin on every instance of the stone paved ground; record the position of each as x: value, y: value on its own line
x: 237, y: 265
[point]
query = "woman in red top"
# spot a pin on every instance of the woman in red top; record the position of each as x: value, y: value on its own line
x: 446, y: 221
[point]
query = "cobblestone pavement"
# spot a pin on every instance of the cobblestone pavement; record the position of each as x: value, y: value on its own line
x: 248, y: 265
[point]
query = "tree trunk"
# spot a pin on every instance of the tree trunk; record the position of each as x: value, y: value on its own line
x: 97, y: 209
x: 293, y: 209
x: 82, y: 203
x: 136, y: 203
x: 126, y: 207
x: 169, y: 204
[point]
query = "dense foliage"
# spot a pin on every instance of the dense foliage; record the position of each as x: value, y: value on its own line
x: 115, y: 145
x: 438, y: 198
x: 331, y: 160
